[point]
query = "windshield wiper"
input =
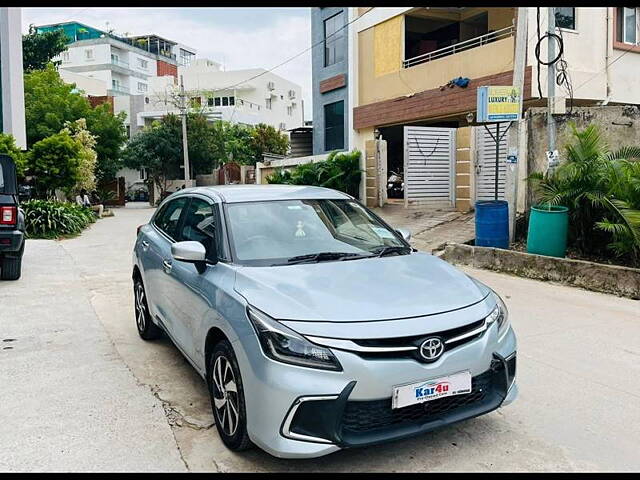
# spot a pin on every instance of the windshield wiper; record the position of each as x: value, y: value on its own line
x: 325, y: 256
x: 392, y: 249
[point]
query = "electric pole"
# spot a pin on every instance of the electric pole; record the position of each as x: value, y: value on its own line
x: 517, y: 130
x: 185, y: 147
x: 551, y: 78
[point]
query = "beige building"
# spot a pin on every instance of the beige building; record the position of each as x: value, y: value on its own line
x: 403, y: 58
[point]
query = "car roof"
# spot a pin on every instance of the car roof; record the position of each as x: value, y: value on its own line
x: 255, y: 193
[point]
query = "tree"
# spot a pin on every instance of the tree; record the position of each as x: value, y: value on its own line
x: 156, y: 150
x: 8, y: 147
x: 55, y: 162
x: 87, y: 165
x: 38, y: 49
x: 50, y: 102
x: 111, y: 135
x: 201, y: 139
x: 265, y: 138
x: 233, y: 142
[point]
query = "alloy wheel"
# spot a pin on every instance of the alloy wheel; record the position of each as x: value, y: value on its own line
x: 225, y: 395
x: 141, y: 309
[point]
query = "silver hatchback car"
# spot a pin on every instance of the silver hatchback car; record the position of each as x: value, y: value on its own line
x: 315, y: 325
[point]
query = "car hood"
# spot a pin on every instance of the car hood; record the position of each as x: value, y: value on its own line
x: 358, y: 290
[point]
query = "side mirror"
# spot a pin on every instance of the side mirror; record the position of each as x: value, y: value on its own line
x: 406, y: 234
x: 190, y: 252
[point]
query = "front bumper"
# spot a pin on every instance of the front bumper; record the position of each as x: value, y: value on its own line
x: 296, y: 412
x: 349, y: 424
x: 11, y: 241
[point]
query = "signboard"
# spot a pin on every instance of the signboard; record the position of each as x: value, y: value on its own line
x: 499, y: 104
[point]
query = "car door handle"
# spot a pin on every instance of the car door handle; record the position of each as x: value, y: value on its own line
x: 145, y: 244
x: 167, y: 266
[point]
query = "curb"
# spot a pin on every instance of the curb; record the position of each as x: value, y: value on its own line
x: 597, y: 277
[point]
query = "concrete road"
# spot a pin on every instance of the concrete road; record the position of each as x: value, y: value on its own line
x: 80, y: 391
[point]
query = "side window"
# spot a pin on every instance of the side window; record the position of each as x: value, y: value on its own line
x: 200, y: 225
x: 169, y: 218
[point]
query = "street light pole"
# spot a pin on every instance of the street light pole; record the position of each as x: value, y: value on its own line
x: 185, y: 147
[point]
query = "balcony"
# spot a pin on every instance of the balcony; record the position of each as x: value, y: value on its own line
x: 119, y: 63
x: 428, y: 47
x: 460, y: 47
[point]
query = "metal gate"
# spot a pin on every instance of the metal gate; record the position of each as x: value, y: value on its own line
x: 429, y: 165
x: 485, y: 162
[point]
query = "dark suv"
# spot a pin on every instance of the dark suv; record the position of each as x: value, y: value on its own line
x: 11, y: 222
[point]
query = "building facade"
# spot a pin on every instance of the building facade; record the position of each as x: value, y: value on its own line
x: 330, y: 65
x: 124, y: 64
x: 12, y: 119
x: 401, y: 65
x: 248, y: 96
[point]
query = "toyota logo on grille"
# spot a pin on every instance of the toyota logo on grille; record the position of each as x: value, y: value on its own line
x: 431, y: 349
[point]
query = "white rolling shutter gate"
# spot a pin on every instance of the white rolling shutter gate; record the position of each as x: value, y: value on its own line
x: 429, y: 165
x: 485, y: 163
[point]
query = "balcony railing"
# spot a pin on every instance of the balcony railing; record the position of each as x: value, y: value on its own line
x: 120, y: 63
x: 460, y: 47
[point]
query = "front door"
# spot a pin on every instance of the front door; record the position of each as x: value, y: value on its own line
x: 156, y: 257
x: 429, y: 165
x: 190, y: 294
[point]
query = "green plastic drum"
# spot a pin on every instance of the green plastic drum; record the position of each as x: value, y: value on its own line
x: 548, y: 227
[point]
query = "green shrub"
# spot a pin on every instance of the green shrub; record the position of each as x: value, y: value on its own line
x: 601, y: 188
x: 340, y: 171
x: 52, y: 219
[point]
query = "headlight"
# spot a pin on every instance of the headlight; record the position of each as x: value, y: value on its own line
x: 284, y: 345
x: 499, y: 314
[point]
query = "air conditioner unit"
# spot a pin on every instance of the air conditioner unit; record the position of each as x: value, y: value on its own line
x: 292, y: 94
x: 271, y: 86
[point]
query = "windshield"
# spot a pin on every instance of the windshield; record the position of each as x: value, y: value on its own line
x: 277, y: 232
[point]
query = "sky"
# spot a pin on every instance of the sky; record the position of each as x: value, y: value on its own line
x: 246, y: 37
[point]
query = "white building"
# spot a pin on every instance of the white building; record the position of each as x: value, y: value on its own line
x: 248, y: 96
x: 124, y: 64
x: 11, y: 84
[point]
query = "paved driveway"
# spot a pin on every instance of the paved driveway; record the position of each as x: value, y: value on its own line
x: 80, y: 391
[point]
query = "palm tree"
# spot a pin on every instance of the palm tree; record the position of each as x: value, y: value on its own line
x: 601, y: 188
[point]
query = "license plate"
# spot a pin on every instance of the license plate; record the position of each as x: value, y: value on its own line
x: 456, y: 384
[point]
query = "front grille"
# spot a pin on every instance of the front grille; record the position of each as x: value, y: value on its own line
x: 367, y: 416
x: 416, y: 340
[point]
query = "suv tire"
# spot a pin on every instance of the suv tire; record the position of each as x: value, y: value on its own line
x: 11, y: 267
x: 146, y: 328
x: 227, y: 397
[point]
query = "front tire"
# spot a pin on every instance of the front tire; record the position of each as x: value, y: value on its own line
x: 227, y: 397
x: 146, y: 328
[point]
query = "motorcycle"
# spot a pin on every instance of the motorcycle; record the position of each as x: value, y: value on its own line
x: 395, y: 185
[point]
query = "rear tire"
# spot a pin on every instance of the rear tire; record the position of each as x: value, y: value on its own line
x: 11, y: 267
x: 227, y: 397
x: 146, y: 328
